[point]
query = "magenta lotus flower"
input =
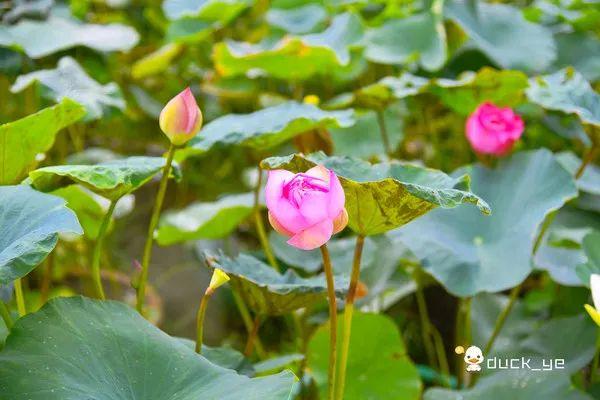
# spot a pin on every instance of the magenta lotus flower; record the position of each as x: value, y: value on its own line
x: 181, y: 118
x: 307, y: 207
x: 493, y: 130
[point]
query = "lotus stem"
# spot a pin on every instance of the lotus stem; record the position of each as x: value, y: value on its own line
x: 98, y: 250
x: 200, y: 319
x: 260, y: 226
x: 5, y: 314
x: 425, y: 322
x: 20, y: 297
x: 594, y: 371
x: 587, y: 159
x: 331, y: 374
x: 514, y: 294
x: 252, y: 337
x: 348, y: 313
x: 383, y: 131
x: 239, y: 302
x: 141, y: 286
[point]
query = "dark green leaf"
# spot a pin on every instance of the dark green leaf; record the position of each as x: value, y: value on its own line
x: 30, y: 222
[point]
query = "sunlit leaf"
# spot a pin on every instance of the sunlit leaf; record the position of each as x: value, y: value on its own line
x: 265, y: 128
x: 566, y: 91
x: 390, y: 88
x: 501, y: 32
x: 202, y: 220
x: 501, y: 87
x: 41, y: 38
x: 155, y: 62
x: 91, y: 348
x: 208, y: 9
x: 30, y: 222
x: 293, y: 57
x: 23, y: 140
x: 384, y: 196
x: 110, y: 179
x: 470, y: 254
x: 378, y: 365
x: 268, y: 292
x: 69, y: 80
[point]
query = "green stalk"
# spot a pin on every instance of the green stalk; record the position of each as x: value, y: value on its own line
x: 383, y: 131
x: 5, y: 314
x: 441, y: 355
x: 331, y: 374
x: 20, y: 297
x: 252, y: 337
x: 239, y: 302
x: 596, y: 362
x: 200, y: 319
x: 348, y: 312
x: 514, y: 294
x: 587, y: 159
x: 141, y: 287
x: 260, y: 226
x: 98, y: 250
x: 425, y: 321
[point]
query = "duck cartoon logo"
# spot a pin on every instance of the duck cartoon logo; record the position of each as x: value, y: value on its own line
x: 473, y: 357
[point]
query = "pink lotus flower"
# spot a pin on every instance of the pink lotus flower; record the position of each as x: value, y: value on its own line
x: 181, y: 118
x: 493, y: 130
x: 307, y: 207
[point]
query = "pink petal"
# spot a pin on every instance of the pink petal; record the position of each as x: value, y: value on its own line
x: 337, y: 197
x: 288, y: 216
x: 320, y: 172
x: 340, y: 222
x: 278, y: 227
x: 314, y: 207
x: 190, y: 108
x: 313, y: 237
x: 274, y: 189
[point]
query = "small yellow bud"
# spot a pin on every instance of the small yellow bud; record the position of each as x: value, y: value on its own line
x: 312, y: 99
x: 219, y: 278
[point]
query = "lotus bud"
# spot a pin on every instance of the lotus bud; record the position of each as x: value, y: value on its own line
x: 181, y: 119
x: 219, y: 278
x: 594, y: 311
x: 312, y: 100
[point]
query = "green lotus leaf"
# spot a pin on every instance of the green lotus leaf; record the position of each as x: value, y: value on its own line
x: 208, y: 9
x: 155, y: 62
x: 389, y: 89
x: 264, y: 129
x: 566, y: 91
x: 363, y: 138
x: 278, y: 363
x: 380, y: 259
x: 589, y: 182
x: 223, y: 356
x: 110, y: 179
x: 38, y: 39
x: 381, y: 197
x: 378, y: 365
x: 503, y: 34
x: 580, y: 50
x: 106, y: 350
x: 469, y: 254
x: 293, y: 57
x: 268, y: 292
x: 298, y: 20
x: 30, y: 222
x: 24, y: 139
x: 521, y: 384
x: 591, y: 247
x: 68, y: 79
x: 36, y: 9
x: 463, y: 95
x: 418, y: 38
x: 201, y: 220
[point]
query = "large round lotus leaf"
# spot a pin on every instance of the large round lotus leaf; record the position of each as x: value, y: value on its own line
x: 110, y: 179
x: 501, y: 32
x: 30, y: 222
x: 423, y: 40
x: 293, y: 57
x: 105, y: 350
x: 41, y: 38
x: 205, y: 220
x: 566, y: 91
x: 524, y: 334
x: 589, y: 182
x: 463, y: 95
x: 297, y: 20
x: 68, y: 79
x: 521, y: 384
x: 221, y: 10
x: 378, y: 366
x: 470, y: 254
x: 580, y: 50
x: 381, y: 197
x: 265, y: 128
x: 267, y: 292
x: 24, y: 139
